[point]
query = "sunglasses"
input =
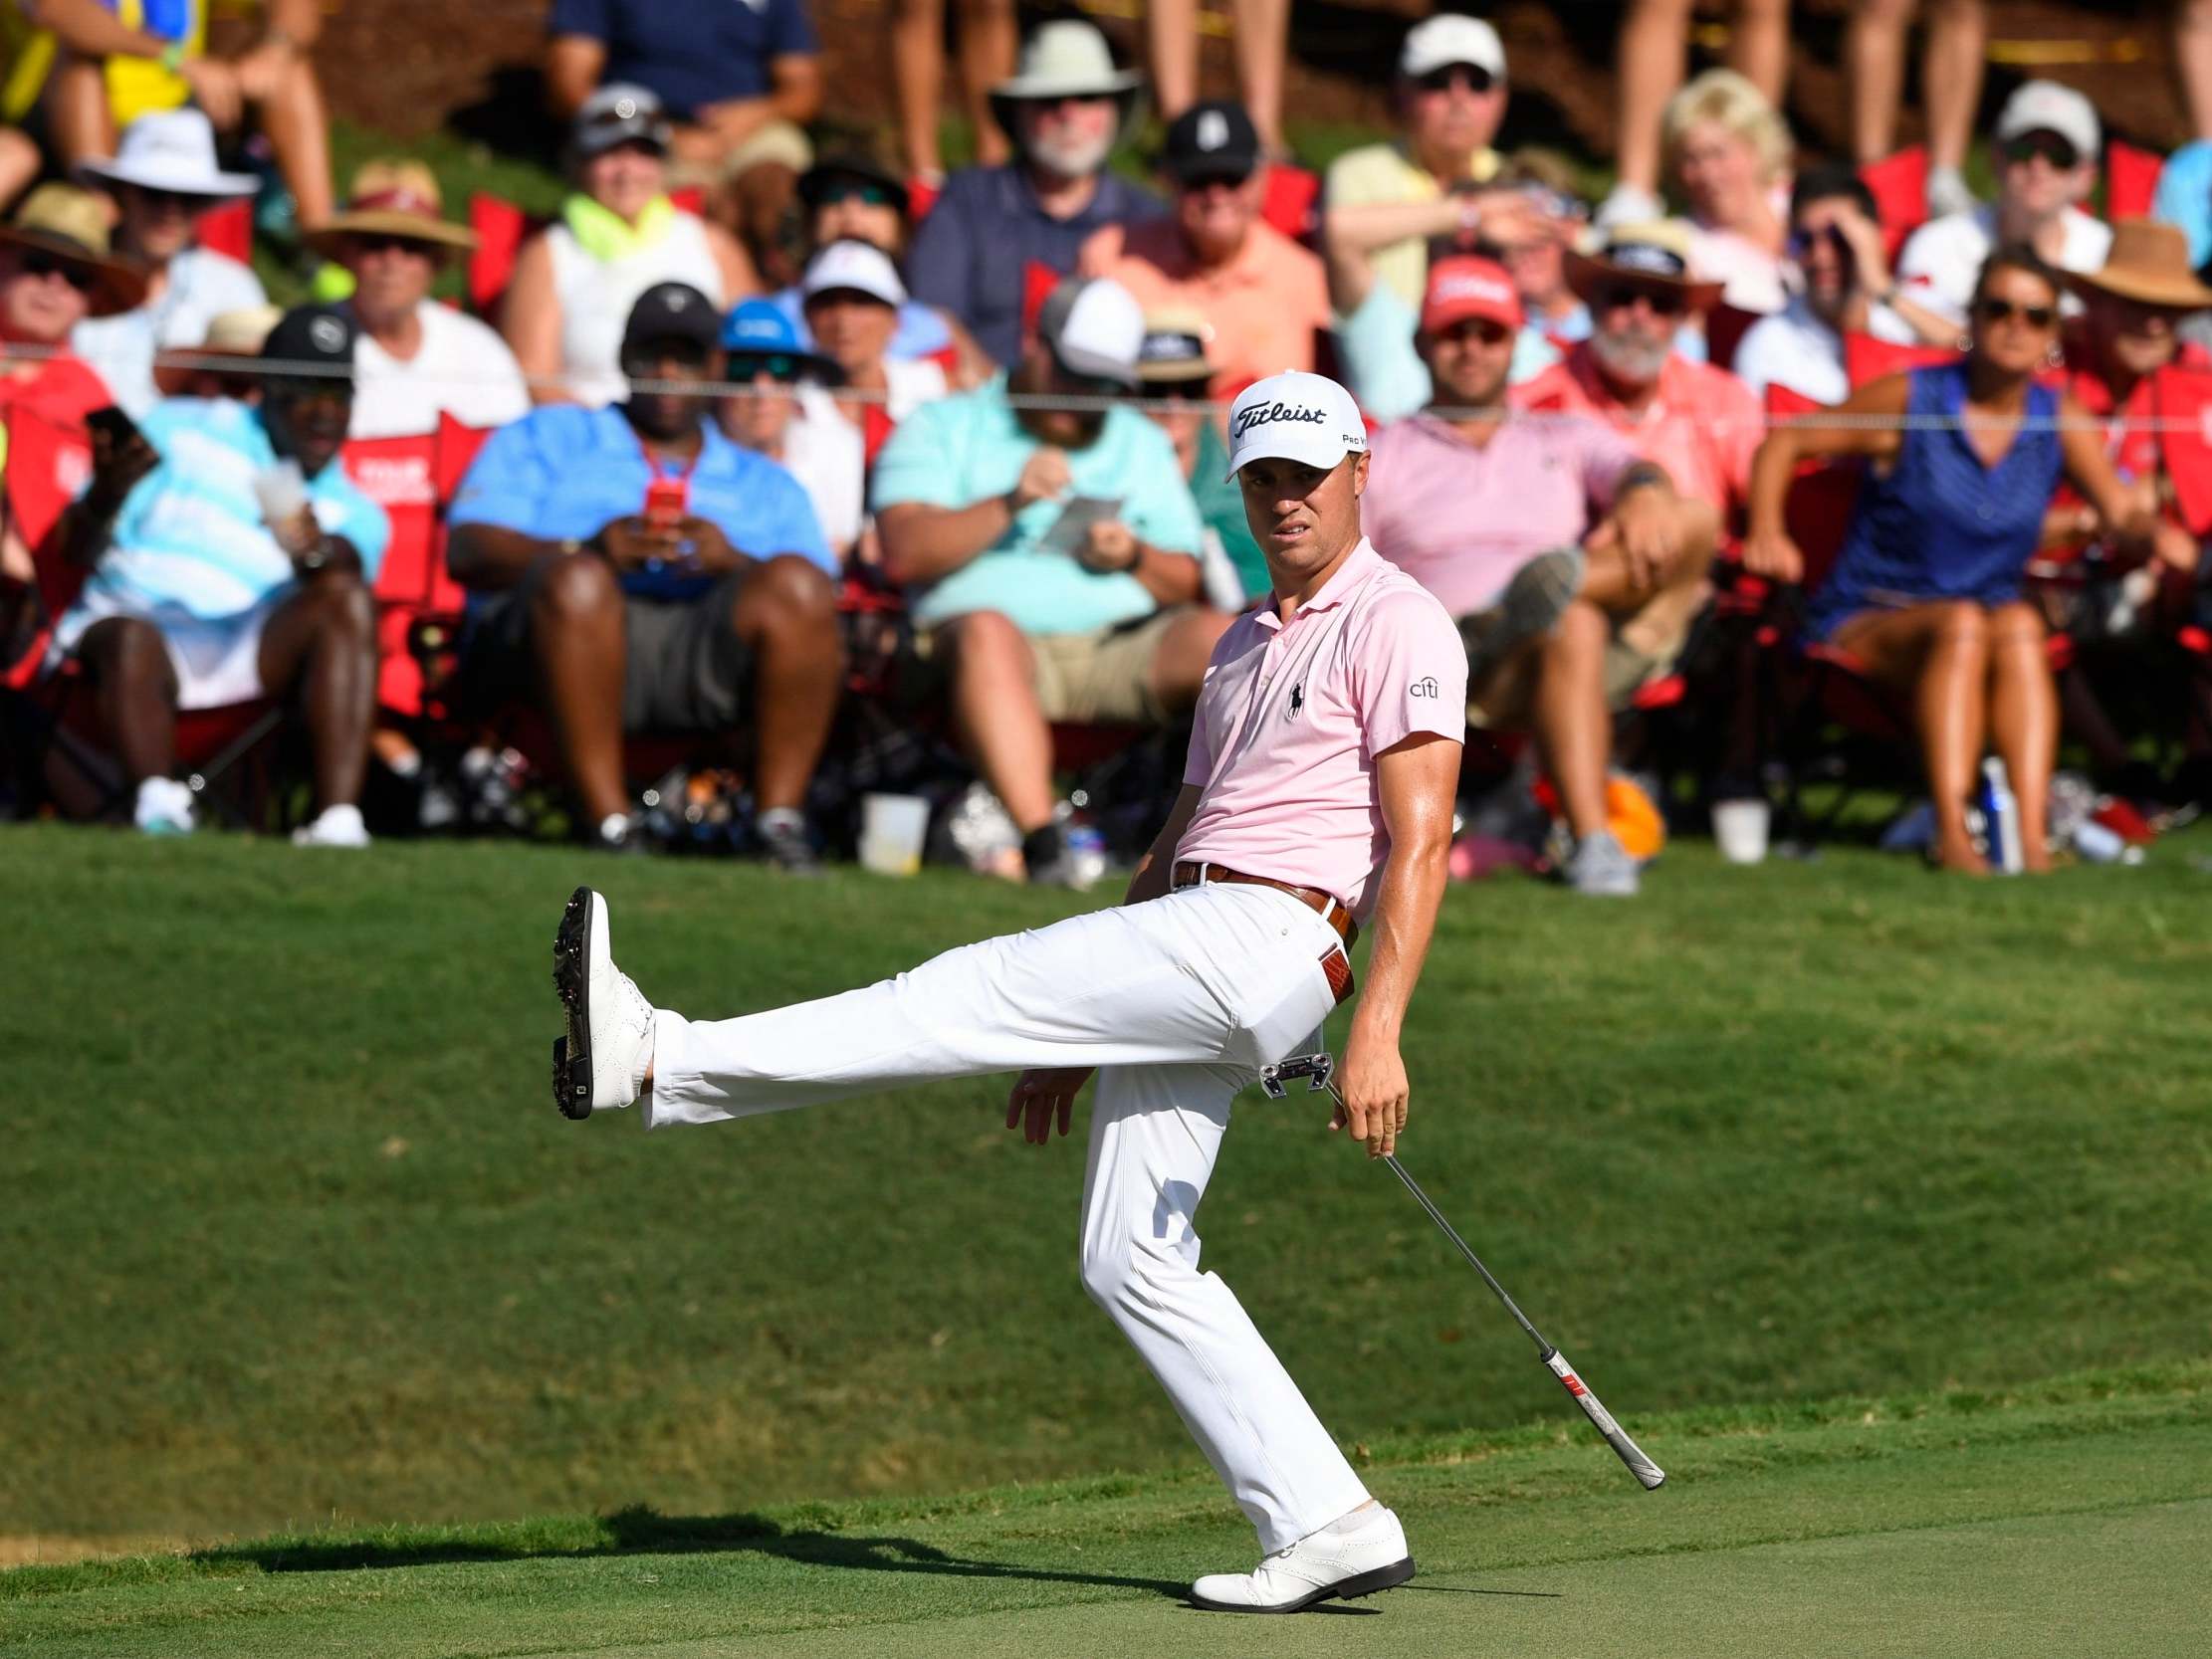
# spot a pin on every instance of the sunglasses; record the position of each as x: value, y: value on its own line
x: 1488, y: 330
x: 2053, y: 148
x: 1200, y: 183
x: 170, y: 200
x: 1476, y: 79
x: 853, y: 190
x: 2004, y: 310
x: 386, y: 242
x: 328, y: 389
x: 1659, y: 302
x: 43, y: 265
x: 1173, y: 391
x: 778, y: 366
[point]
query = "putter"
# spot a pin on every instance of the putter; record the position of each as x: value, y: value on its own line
x: 1316, y: 1069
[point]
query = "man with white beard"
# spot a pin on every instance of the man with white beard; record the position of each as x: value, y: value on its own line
x: 1066, y: 109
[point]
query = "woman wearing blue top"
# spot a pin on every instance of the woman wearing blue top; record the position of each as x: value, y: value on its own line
x: 1925, y: 594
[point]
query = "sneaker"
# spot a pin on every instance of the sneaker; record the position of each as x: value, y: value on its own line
x: 1532, y: 604
x: 163, y: 807
x: 1627, y: 204
x: 334, y: 826
x: 599, y: 1065
x: 1321, y: 1566
x: 784, y: 844
x: 1600, y: 868
x: 1947, y: 193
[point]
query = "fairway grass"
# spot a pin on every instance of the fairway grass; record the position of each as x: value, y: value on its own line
x: 2060, y: 1521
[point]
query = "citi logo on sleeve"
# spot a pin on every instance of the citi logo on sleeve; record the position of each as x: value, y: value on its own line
x: 1266, y: 414
x: 1426, y: 686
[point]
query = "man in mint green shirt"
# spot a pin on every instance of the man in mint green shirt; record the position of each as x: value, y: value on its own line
x: 1050, y: 554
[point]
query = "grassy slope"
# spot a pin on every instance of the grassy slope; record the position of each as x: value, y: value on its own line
x: 2055, y: 1521
x: 293, y: 1232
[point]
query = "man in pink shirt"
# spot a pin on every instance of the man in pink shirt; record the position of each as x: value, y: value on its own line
x: 1318, y: 795
x: 1265, y: 297
x: 1571, y: 563
x: 1698, y: 422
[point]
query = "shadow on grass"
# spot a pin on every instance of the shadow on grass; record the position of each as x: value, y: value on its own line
x: 638, y: 1531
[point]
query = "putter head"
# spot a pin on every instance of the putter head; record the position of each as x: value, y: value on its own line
x: 1274, y: 1080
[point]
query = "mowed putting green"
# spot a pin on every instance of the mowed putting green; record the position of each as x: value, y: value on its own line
x: 297, y: 1242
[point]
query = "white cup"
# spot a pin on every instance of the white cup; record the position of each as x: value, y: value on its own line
x: 282, y: 490
x: 892, y: 828
x: 1741, y: 829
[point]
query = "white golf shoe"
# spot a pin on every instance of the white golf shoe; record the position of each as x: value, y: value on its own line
x: 598, y: 1064
x: 1321, y: 1566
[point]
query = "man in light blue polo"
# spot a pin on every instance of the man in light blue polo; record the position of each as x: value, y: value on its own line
x: 637, y: 571
x: 1052, y: 555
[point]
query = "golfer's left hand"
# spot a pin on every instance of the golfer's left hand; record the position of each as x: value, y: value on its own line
x: 1041, y: 1094
x: 1372, y: 1094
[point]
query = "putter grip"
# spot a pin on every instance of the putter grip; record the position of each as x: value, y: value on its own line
x: 1641, y: 1467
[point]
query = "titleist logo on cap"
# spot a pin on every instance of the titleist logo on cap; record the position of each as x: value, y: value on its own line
x: 1265, y: 414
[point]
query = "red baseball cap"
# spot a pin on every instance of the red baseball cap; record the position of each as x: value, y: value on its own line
x: 1465, y: 286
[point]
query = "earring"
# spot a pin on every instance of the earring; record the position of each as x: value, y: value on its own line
x: 2056, y: 356
x: 1966, y: 342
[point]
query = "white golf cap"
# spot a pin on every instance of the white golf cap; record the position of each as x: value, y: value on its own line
x: 1294, y: 416
x: 172, y: 150
x: 2047, y: 107
x: 1450, y: 39
x: 860, y: 266
x: 1094, y: 327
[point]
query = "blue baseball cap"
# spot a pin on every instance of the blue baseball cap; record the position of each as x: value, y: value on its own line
x: 762, y: 328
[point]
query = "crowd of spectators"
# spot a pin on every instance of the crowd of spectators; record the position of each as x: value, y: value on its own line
x: 736, y: 389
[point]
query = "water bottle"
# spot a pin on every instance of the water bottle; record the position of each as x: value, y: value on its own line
x: 2000, y: 818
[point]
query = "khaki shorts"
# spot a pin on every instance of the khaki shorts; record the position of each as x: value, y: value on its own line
x: 1628, y: 669
x: 1101, y: 677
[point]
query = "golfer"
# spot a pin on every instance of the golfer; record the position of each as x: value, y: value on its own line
x: 1317, y: 797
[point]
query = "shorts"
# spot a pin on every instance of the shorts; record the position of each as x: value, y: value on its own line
x: 1089, y: 678
x: 1627, y: 669
x: 684, y: 668
x: 217, y: 660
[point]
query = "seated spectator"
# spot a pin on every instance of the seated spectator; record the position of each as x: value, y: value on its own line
x: 1384, y: 203
x: 163, y: 178
x: 116, y: 64
x: 206, y: 592
x: 1050, y: 554
x: 617, y: 235
x: 1572, y: 564
x: 739, y: 82
x: 1066, y: 109
x: 854, y: 295
x: 791, y: 420
x: 1264, y: 296
x: 1927, y: 592
x: 637, y: 571
x: 215, y: 369
x: 1174, y: 369
x: 1697, y: 422
x: 2047, y: 141
x: 1845, y: 287
x: 55, y: 270
x: 416, y: 359
x: 1730, y: 152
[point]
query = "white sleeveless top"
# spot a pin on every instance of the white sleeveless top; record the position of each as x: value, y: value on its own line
x: 596, y: 300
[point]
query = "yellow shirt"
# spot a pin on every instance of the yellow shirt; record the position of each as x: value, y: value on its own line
x: 1385, y: 173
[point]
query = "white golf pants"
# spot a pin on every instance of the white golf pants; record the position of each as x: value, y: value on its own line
x: 1180, y: 1002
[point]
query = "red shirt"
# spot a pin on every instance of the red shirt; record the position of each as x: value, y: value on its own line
x: 1704, y: 425
x: 61, y: 391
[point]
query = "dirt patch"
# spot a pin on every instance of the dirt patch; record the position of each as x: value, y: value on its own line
x: 59, y: 1549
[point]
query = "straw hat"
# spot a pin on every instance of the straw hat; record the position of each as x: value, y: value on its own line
x: 232, y: 333
x: 1175, y: 348
x: 1652, y: 256
x: 2148, y: 263
x: 393, y: 198
x: 70, y: 225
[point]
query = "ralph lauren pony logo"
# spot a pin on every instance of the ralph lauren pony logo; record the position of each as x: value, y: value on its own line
x: 1265, y: 414
x: 1297, y: 701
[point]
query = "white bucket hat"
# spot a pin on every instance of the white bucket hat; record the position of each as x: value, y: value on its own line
x: 172, y: 150
x: 1069, y: 59
x: 1294, y: 416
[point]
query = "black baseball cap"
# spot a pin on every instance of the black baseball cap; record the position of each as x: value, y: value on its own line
x: 1215, y: 139
x: 845, y: 165
x: 318, y: 335
x: 673, y: 311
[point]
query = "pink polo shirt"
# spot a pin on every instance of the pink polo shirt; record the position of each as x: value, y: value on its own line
x: 1293, y: 716
x: 1462, y: 520
x: 1704, y: 425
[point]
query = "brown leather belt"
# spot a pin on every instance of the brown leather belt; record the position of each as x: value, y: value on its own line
x: 1332, y: 910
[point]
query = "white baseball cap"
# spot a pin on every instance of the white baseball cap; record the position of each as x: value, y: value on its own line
x: 1294, y: 416
x: 1452, y: 38
x: 2047, y: 107
x: 1094, y: 328
x: 860, y: 266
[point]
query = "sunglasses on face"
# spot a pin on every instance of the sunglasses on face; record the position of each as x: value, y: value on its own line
x: 870, y: 195
x: 2004, y: 310
x: 1483, y: 329
x: 168, y: 201
x: 1205, y: 183
x: 1659, y: 300
x: 1802, y: 241
x: 43, y: 266
x: 1476, y: 79
x: 297, y: 394
x: 783, y: 369
x: 387, y: 243
x: 2048, y: 145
